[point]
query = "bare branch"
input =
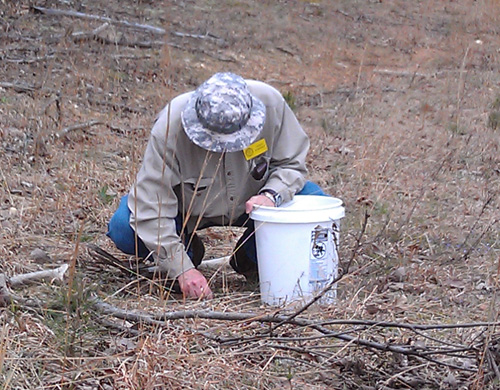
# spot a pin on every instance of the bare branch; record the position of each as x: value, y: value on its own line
x: 467, y: 253
x: 492, y: 363
x: 38, y: 276
x: 5, y: 295
x: 81, y: 15
x: 28, y: 60
x: 78, y: 126
x: 197, y: 36
x: 17, y: 87
x: 162, y: 318
x: 410, y: 326
x: 124, y: 23
x: 82, y: 35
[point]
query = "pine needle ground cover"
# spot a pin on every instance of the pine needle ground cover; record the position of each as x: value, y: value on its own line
x: 401, y: 102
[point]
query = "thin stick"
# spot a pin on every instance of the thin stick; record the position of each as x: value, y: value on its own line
x: 38, y: 276
x: 28, y: 60
x: 493, y: 363
x: 467, y: 253
x: 83, y: 35
x: 359, y: 72
x: 72, y: 269
x: 162, y: 318
x: 81, y: 15
x: 461, y: 84
x: 18, y: 87
x: 5, y: 296
x: 78, y: 126
x: 410, y: 326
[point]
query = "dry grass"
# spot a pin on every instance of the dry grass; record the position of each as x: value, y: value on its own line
x: 399, y: 100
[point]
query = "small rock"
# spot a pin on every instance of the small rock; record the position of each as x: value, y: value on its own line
x: 372, y: 309
x: 26, y: 184
x: 397, y: 286
x: 79, y: 213
x: 40, y: 256
x: 483, y: 286
x: 451, y: 381
x: 398, y: 275
x: 344, y: 150
x: 13, y: 212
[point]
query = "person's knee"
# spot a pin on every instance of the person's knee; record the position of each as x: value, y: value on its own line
x: 119, y: 229
x: 311, y: 188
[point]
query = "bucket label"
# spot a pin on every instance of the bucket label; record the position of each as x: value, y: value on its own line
x: 323, y: 260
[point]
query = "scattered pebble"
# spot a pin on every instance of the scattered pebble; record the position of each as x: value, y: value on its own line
x: 40, y: 256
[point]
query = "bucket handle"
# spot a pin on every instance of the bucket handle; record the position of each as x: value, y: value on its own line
x: 335, y: 229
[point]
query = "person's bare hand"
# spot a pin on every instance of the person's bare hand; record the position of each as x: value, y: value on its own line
x: 194, y: 285
x: 258, y: 200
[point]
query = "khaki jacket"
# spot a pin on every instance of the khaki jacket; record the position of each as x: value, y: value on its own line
x: 178, y: 177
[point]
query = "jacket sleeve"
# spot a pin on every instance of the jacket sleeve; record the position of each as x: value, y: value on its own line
x: 153, y: 203
x: 288, y: 155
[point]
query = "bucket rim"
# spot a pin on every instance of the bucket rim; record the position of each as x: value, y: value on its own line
x: 327, y: 209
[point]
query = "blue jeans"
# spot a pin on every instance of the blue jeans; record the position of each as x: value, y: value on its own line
x: 123, y: 235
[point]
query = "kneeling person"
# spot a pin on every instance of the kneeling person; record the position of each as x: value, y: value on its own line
x: 213, y: 155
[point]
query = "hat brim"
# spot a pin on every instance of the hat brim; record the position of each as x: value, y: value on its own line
x: 218, y: 142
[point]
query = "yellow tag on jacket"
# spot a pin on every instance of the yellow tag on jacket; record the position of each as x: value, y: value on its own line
x: 255, y: 149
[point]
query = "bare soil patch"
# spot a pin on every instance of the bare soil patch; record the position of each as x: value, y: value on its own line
x: 402, y: 104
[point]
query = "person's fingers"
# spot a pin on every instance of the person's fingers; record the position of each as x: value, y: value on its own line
x: 194, y: 285
x: 257, y: 200
x: 206, y: 293
x: 248, y: 206
x: 201, y: 290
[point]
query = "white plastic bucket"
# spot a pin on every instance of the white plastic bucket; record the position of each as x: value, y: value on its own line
x: 297, y: 247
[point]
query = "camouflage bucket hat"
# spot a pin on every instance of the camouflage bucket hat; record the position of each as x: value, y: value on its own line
x: 222, y: 114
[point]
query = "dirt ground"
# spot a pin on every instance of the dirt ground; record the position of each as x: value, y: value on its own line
x: 401, y: 101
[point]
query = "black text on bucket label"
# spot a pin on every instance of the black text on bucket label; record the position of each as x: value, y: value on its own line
x: 323, y: 259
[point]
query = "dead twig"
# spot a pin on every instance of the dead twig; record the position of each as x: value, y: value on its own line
x: 117, y: 327
x: 493, y: 364
x: 123, y: 42
x: 197, y: 36
x: 129, y: 268
x: 136, y: 269
x: 161, y: 319
x: 467, y: 253
x: 7, y: 297
x: 81, y: 15
x: 24, y: 88
x: 410, y: 73
x: 28, y: 60
x: 402, y: 73
x: 399, y: 325
x: 82, y: 35
x: 78, y: 126
x: 38, y: 276
x: 114, y: 106
x: 124, y: 23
